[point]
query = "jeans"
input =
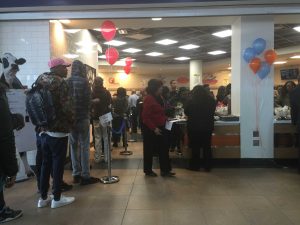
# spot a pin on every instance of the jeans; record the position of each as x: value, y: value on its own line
x: 54, y: 155
x: 38, y: 159
x: 100, y: 133
x: 79, y: 139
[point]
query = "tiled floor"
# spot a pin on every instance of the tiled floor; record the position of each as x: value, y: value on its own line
x: 222, y: 197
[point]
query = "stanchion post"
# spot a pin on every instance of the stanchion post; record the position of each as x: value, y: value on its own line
x: 125, y: 152
x: 109, y: 179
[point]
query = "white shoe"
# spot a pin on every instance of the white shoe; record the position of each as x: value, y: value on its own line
x: 62, y: 202
x: 44, y: 203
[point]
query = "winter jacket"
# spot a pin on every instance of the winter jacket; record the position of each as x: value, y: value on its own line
x: 8, y: 160
x: 103, y: 106
x: 80, y: 91
x: 62, y: 101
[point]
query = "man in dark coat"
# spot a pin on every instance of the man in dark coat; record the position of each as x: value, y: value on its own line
x: 295, y: 113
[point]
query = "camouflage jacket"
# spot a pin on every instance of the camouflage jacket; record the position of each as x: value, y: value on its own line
x: 62, y: 101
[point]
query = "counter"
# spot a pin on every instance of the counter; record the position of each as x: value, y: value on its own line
x: 285, y: 140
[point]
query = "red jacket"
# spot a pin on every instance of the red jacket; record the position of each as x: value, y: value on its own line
x: 153, y: 114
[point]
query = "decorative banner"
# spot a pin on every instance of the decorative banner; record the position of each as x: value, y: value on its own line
x: 259, y: 45
x: 255, y: 65
x: 127, y: 69
x: 128, y: 61
x: 108, y: 30
x: 111, y: 55
x: 270, y: 56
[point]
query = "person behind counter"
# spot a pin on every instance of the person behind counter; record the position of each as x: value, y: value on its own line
x: 284, y: 95
x: 200, y: 124
x: 155, y: 134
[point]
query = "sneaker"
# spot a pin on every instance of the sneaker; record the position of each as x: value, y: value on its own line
x: 65, y: 187
x: 62, y: 202
x: 91, y: 180
x: 8, y: 214
x: 76, y: 179
x: 44, y: 203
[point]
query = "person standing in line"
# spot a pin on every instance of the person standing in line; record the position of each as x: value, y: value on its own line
x: 8, y: 160
x: 154, y: 133
x: 132, y: 103
x: 200, y: 124
x: 101, y: 101
x: 173, y: 89
x: 120, y: 109
x: 79, y: 137
x: 54, y: 137
x: 295, y: 113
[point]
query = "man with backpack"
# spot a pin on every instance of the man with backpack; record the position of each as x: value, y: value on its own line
x: 54, y: 117
x: 101, y: 101
x: 79, y: 138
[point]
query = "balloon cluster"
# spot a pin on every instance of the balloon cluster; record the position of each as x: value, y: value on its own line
x: 108, y: 31
x: 259, y: 67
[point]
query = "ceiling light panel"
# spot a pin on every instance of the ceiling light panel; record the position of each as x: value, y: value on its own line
x: 154, y: 54
x: 71, y: 31
x: 115, y: 43
x: 280, y: 62
x: 223, y: 34
x: 217, y: 52
x: 102, y: 56
x: 157, y: 19
x: 297, y: 28
x: 183, y: 58
x: 166, y: 42
x: 295, y: 57
x: 132, y: 50
x: 189, y: 46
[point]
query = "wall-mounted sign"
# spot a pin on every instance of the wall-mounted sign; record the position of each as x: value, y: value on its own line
x: 183, y: 80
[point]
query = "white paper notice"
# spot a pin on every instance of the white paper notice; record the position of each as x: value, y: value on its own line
x: 105, y: 119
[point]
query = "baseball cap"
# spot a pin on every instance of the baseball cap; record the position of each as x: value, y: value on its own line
x: 56, y: 62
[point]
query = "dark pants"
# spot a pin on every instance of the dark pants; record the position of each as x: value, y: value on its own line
x: 116, y: 125
x: 176, y: 136
x: 38, y: 159
x: 54, y: 154
x: 197, y: 141
x: 2, y: 202
x: 153, y: 142
x: 134, y: 120
x: 298, y: 152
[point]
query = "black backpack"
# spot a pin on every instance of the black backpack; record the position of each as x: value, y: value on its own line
x: 39, y: 105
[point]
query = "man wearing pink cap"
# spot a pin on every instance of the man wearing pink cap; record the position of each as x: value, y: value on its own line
x: 54, y: 137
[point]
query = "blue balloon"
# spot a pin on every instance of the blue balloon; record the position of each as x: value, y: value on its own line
x: 259, y: 45
x: 249, y: 54
x: 264, y: 70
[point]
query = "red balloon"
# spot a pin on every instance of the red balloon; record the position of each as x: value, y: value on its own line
x: 128, y: 61
x: 270, y: 56
x: 111, y: 55
x: 108, y: 30
x: 127, y: 69
x: 255, y: 65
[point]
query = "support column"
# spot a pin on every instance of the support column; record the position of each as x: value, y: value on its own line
x: 195, y: 73
x: 251, y: 97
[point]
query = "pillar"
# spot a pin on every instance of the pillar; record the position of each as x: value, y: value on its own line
x: 195, y: 73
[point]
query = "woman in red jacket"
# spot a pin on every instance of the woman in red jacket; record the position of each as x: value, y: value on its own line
x: 155, y: 134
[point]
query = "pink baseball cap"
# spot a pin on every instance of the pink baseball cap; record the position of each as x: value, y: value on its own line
x: 56, y: 62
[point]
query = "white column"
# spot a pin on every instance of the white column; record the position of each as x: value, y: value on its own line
x: 252, y: 98
x: 195, y: 73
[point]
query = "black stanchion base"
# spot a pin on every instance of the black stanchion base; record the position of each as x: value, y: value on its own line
x: 126, y: 153
x: 109, y: 180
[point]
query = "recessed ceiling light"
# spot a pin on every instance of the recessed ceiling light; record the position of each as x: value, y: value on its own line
x: 71, y: 56
x: 156, y: 19
x: 280, y: 62
x: 182, y: 58
x: 71, y: 31
x: 154, y: 54
x: 166, y: 42
x: 97, y: 29
x: 295, y: 57
x: 297, y: 28
x: 115, y: 43
x: 102, y: 56
x: 86, y: 43
x: 132, y: 50
x: 223, y: 34
x: 65, y: 21
x: 124, y: 59
x: 189, y: 46
x: 218, y: 52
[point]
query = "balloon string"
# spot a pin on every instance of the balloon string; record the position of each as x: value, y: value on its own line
x: 256, y: 102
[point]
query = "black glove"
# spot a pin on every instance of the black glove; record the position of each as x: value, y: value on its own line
x: 18, y: 121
